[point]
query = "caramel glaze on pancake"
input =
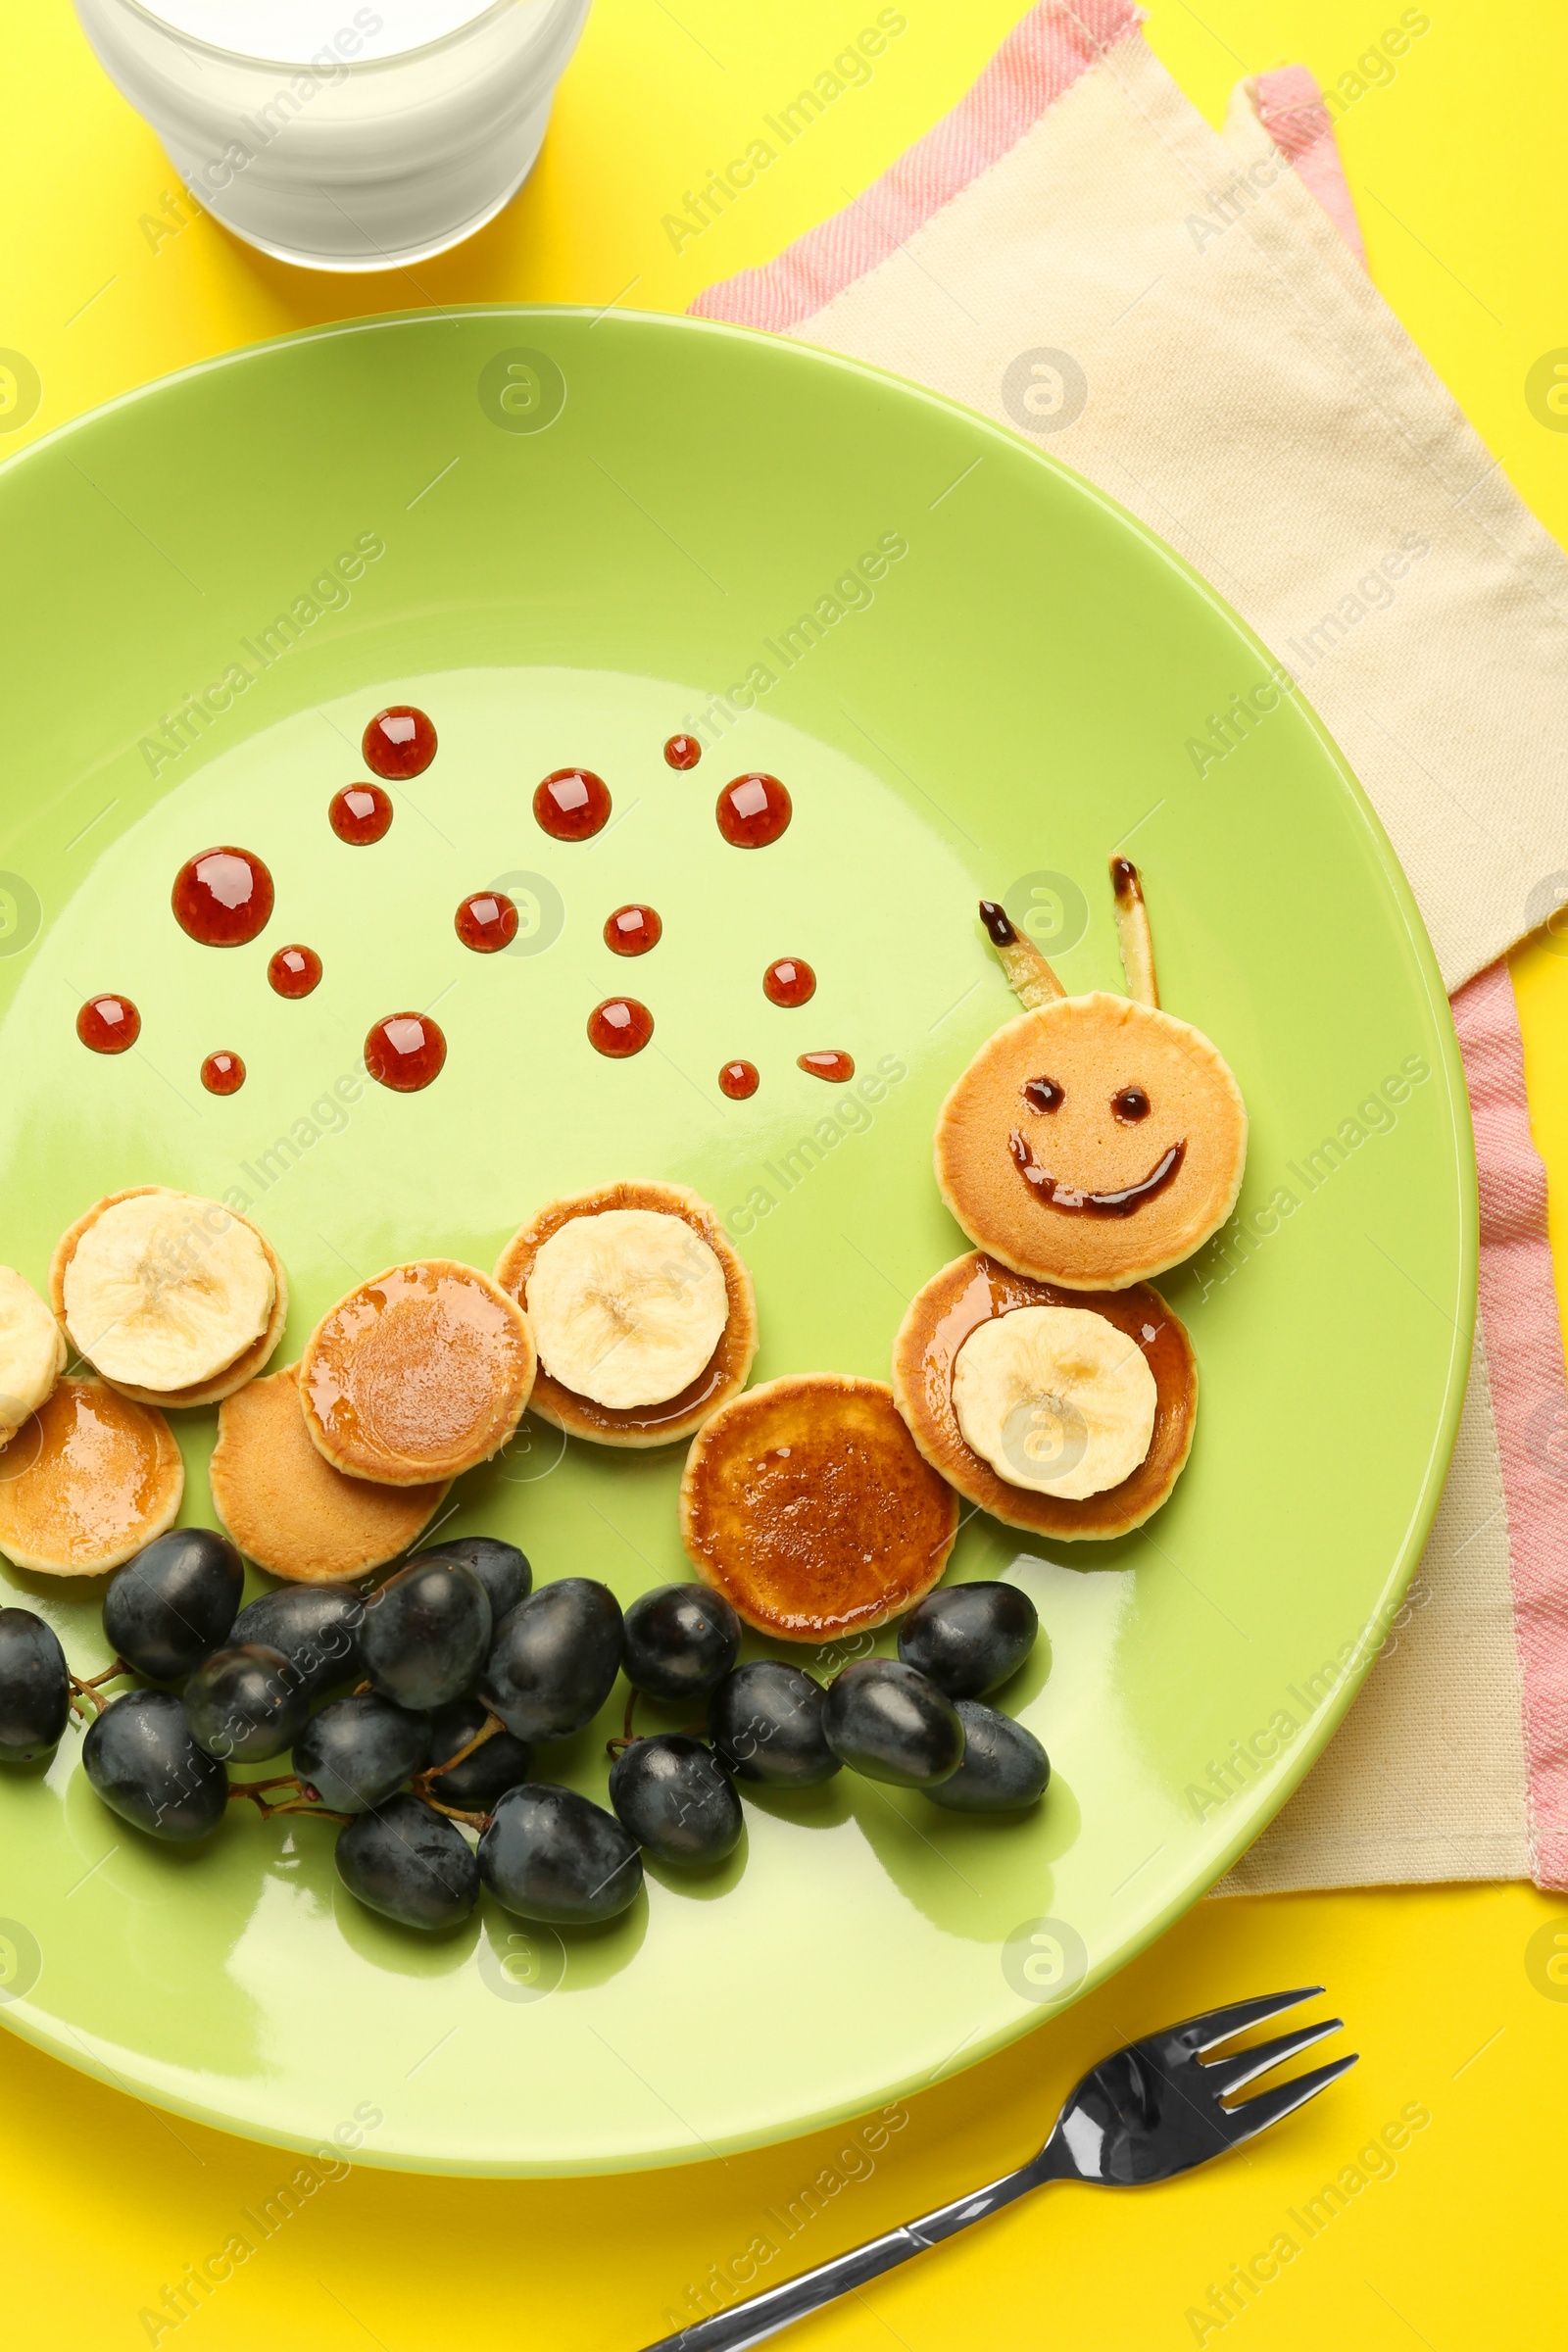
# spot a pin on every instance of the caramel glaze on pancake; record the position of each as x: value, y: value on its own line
x: 87, y: 1481
x: 285, y: 1506
x: 722, y: 1377
x: 1039, y: 1162
x: 967, y: 1294
x: 420, y: 1373
x: 233, y: 1376
x: 806, y: 1505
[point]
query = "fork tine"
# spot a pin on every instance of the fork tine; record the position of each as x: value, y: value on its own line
x: 1254, y: 2116
x: 1228, y: 2075
x: 1199, y: 2034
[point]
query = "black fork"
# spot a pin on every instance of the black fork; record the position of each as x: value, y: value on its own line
x: 1149, y: 2111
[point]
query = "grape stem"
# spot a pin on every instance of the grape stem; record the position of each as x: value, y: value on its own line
x: 487, y: 1729
x: 421, y: 1781
x: 628, y: 1738
x: 475, y: 1821
x: 299, y: 1802
x: 89, y: 1691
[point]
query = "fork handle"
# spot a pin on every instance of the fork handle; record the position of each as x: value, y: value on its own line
x: 761, y: 2316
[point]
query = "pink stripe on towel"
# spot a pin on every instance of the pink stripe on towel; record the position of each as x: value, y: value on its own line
x: 1529, y: 1395
x: 1039, y: 59
x: 1290, y: 106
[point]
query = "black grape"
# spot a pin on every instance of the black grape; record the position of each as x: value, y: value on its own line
x: 501, y: 1568
x: 357, y: 1750
x: 409, y: 1863
x: 244, y: 1705
x: 425, y: 1632
x: 549, y: 1854
x: 681, y: 1639
x: 554, y: 1659
x: 1004, y: 1768
x: 766, y: 1720
x: 886, y: 1721
x: 969, y: 1639
x: 35, y: 1686
x: 312, y: 1625
x: 676, y: 1799
x: 141, y: 1758
x: 174, y: 1604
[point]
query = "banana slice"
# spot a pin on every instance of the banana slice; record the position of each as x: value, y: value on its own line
x: 166, y: 1290
x: 32, y: 1351
x: 626, y: 1307
x: 1055, y: 1399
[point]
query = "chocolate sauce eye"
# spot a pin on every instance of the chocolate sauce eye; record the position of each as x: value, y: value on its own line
x: 1130, y: 1105
x: 1045, y: 1093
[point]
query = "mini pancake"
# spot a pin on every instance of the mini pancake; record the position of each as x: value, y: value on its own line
x: 1092, y: 1143
x: 966, y: 1294
x: 223, y: 1383
x: 285, y: 1506
x: 87, y: 1481
x: 416, y: 1375
x: 806, y: 1505
x: 32, y: 1352
x: 722, y: 1377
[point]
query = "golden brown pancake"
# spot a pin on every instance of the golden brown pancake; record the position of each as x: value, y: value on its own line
x: 418, y: 1375
x: 223, y: 1383
x: 722, y: 1377
x: 1070, y: 1181
x: 806, y: 1505
x: 965, y: 1295
x: 285, y: 1506
x: 87, y: 1481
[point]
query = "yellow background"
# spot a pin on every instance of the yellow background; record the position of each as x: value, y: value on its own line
x: 1457, y: 171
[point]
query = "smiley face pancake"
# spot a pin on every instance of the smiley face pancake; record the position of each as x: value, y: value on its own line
x: 976, y: 1300
x: 1092, y: 1143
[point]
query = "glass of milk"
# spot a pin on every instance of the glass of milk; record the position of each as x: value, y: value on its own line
x: 339, y: 137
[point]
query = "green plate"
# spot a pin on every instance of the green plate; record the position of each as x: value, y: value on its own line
x: 567, y: 539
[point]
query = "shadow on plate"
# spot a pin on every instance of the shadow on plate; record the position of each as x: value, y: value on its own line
x: 962, y: 1871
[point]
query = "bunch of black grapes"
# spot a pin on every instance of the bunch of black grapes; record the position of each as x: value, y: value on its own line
x: 461, y: 1671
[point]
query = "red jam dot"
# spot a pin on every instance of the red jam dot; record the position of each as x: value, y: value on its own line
x: 399, y: 741
x: 789, y: 982
x: 633, y: 930
x: 682, y: 752
x: 738, y: 1079
x: 486, y: 922
x: 405, y: 1052
x: 224, y: 898
x: 294, y: 972
x: 620, y: 1026
x: 573, y: 805
x: 109, y: 1024
x: 834, y: 1068
x: 360, y: 814
x: 222, y: 1073
x: 752, y: 812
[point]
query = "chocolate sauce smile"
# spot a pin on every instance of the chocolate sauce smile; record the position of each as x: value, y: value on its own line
x: 1093, y: 1204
